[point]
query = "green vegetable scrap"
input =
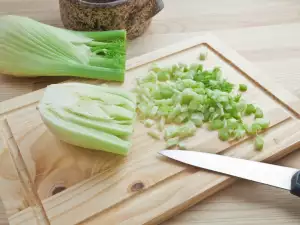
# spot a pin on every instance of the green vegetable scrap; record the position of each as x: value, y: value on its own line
x: 172, y: 142
x: 171, y: 131
x: 262, y: 122
x: 149, y: 123
x: 250, y: 109
x: 224, y: 134
x: 259, y: 143
x: 243, y: 87
x: 259, y: 113
x: 154, y: 133
x: 29, y: 48
x: 182, y: 97
x: 182, y: 145
x: 90, y: 116
x: 216, y: 124
x: 203, y: 56
x: 161, y: 124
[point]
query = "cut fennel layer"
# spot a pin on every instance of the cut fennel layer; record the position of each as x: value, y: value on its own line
x: 97, y: 122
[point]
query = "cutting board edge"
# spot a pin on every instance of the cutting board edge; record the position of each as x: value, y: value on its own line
x: 33, y: 97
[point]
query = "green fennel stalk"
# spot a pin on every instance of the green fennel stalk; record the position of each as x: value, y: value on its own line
x: 29, y: 48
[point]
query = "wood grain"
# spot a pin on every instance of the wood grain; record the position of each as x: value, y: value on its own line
x: 109, y: 187
x: 245, y: 215
x: 275, y: 49
x: 28, y: 189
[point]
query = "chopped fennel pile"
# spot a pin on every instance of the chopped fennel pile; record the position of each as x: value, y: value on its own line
x: 29, y: 48
x: 181, y: 98
x: 90, y: 116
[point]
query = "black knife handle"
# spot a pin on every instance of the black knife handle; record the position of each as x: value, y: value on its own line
x: 295, y: 187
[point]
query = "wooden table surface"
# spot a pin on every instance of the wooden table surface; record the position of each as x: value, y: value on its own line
x: 266, y: 32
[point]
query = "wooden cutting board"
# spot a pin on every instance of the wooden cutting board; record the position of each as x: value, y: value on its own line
x: 47, y: 181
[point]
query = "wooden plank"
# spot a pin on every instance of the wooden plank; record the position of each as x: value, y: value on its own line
x: 110, y: 187
x: 109, y: 183
x: 24, y: 177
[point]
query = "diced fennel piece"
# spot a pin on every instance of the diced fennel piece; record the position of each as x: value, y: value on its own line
x: 171, y: 131
x: 85, y: 122
x: 241, y: 106
x: 259, y: 143
x: 182, y: 66
x: 168, y: 101
x: 189, y: 83
x: 182, y: 145
x: 154, y: 134
x: 259, y: 113
x: 211, y: 109
x: 254, y: 129
x: 181, y: 117
x: 187, y: 95
x: 262, y: 122
x: 206, y: 115
x: 172, y: 142
x: 163, y: 75
x: 243, y: 87
x: 143, y: 108
x: 197, y: 119
x: 164, y: 110
x: 216, y: 124
x: 165, y: 90
x: 239, y: 132
x: 184, y: 108
x: 188, y: 129
x: 153, y: 111
x: 224, y: 134
x: 232, y: 123
x: 150, y: 77
x: 188, y: 75
x: 203, y: 56
x: 196, y: 67
x: 148, y: 123
x: 194, y: 104
x: 250, y: 109
x: 176, y: 111
x: 161, y: 123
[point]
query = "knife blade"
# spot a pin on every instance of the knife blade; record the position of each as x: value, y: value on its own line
x: 278, y: 176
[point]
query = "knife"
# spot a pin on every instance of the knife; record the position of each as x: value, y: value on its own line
x: 278, y: 176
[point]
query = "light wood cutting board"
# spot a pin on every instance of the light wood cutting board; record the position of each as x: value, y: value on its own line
x: 45, y: 180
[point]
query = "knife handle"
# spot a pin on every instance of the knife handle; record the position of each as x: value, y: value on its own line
x: 295, y: 187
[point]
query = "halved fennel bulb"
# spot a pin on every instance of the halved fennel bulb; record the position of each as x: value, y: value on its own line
x: 90, y: 116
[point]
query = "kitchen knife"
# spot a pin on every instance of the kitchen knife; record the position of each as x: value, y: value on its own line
x: 277, y: 176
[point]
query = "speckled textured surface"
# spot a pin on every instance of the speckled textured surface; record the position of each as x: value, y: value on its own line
x: 132, y: 15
